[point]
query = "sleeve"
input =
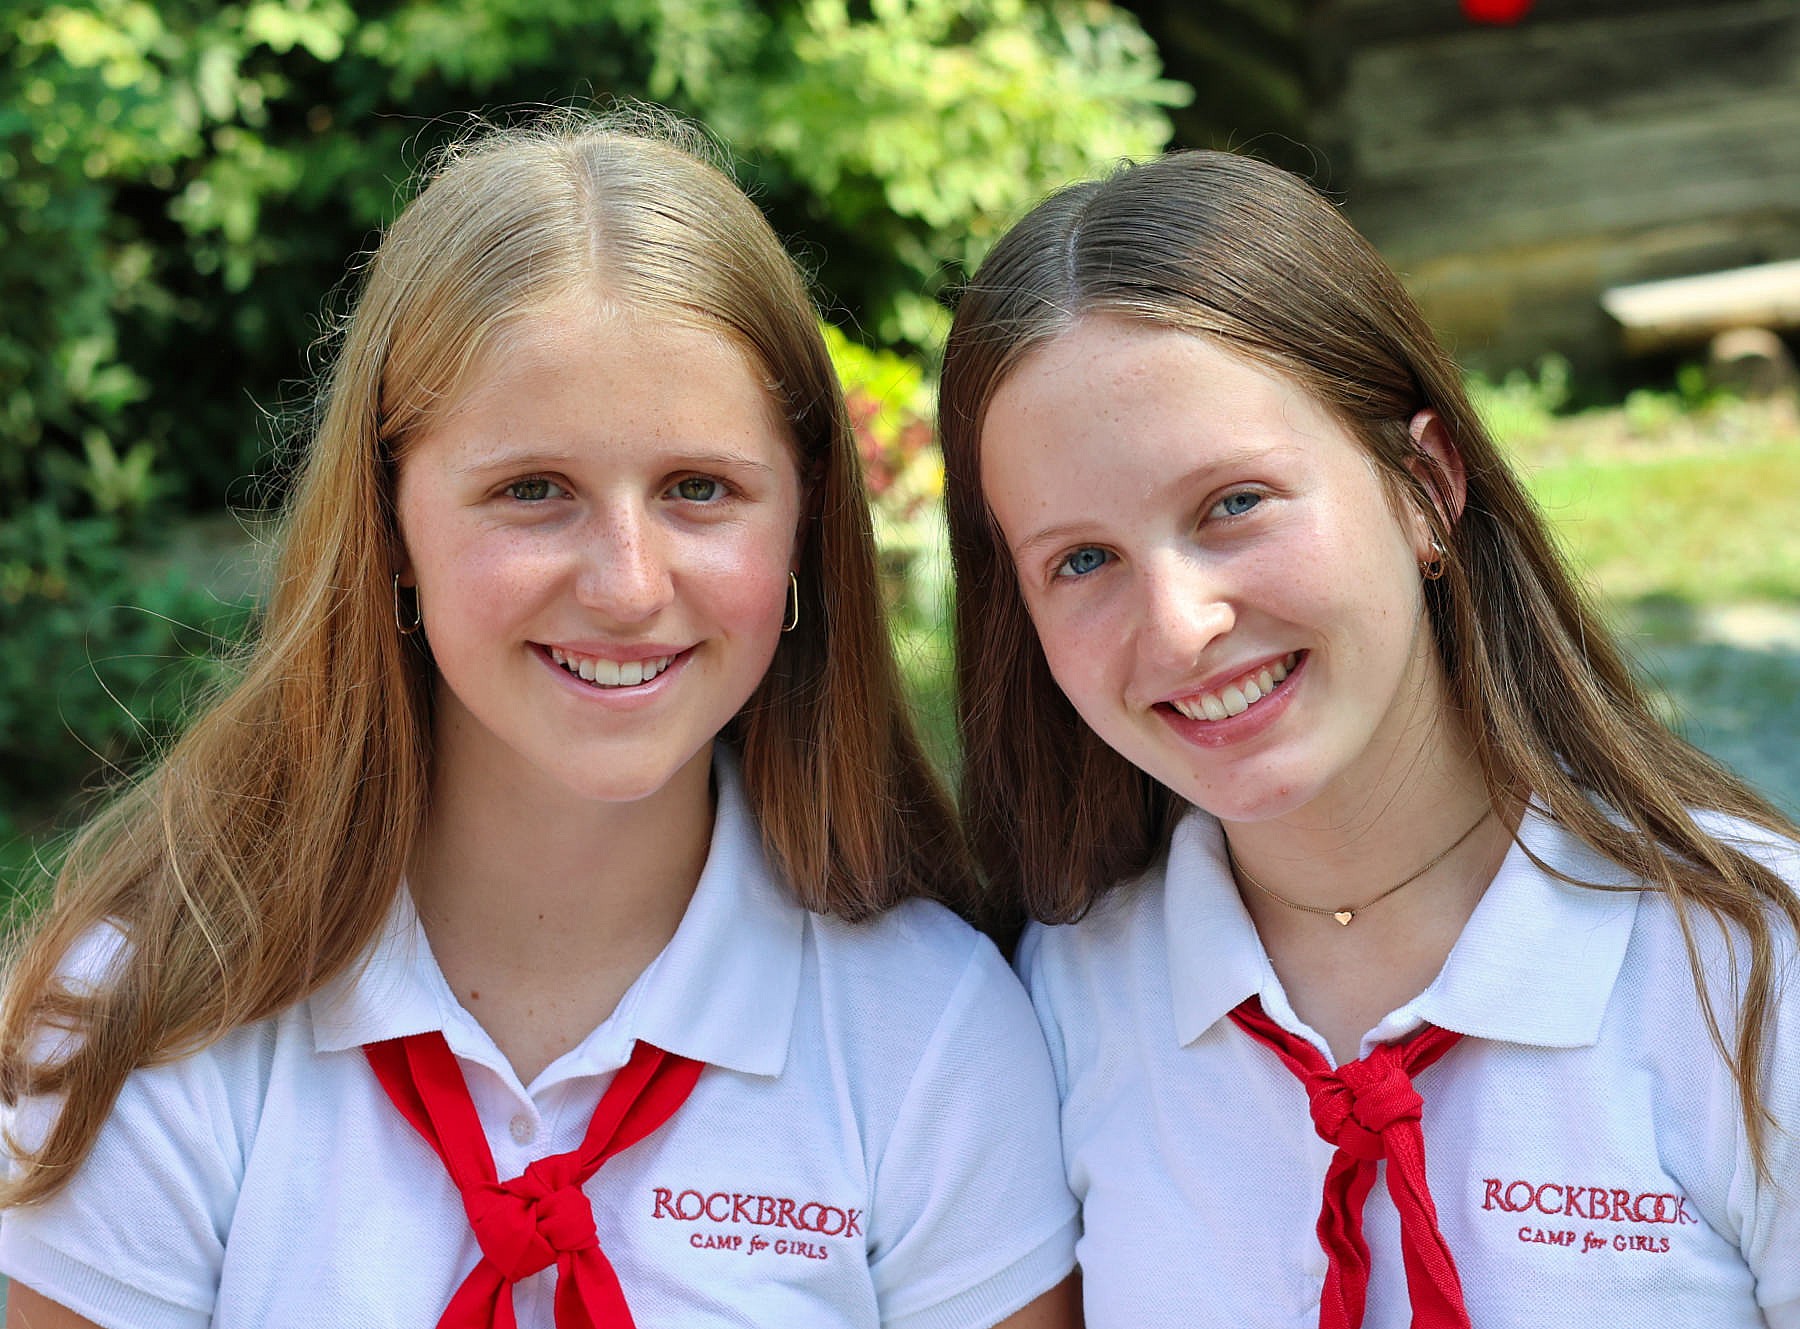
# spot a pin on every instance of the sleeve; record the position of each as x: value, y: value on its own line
x: 972, y: 1219
x: 137, y: 1238
x: 1766, y: 1202
x: 1771, y: 1234
x: 1033, y: 964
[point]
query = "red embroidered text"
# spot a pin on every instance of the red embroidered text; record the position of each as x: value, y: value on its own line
x: 692, y: 1206
x: 1606, y: 1204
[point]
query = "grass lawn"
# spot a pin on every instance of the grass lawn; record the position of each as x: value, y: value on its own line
x: 1718, y: 526
x: 1690, y: 532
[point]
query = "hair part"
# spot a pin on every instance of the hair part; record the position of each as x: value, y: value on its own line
x: 260, y: 856
x: 1251, y: 257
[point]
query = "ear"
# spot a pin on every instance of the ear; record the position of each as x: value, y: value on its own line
x: 1438, y: 465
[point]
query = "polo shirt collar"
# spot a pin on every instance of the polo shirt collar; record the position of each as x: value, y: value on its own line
x: 1535, y: 964
x: 1538, y: 959
x: 723, y: 991
x: 1216, y: 959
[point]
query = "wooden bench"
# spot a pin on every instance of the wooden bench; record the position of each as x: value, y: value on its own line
x: 1659, y: 315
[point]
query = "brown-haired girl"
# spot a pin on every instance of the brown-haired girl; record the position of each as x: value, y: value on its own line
x: 1371, y: 897
x: 539, y: 931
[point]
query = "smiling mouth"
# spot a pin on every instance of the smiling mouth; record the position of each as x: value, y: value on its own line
x: 1240, y: 694
x: 604, y: 673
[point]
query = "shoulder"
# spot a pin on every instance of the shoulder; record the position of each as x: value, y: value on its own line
x: 1777, y: 852
x: 915, y: 995
x: 916, y: 955
x: 1126, y: 927
x: 1723, y: 945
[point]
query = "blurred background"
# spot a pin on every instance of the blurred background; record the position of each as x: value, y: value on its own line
x: 1597, y: 201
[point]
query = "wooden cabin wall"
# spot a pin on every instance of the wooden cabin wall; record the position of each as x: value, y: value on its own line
x: 1514, y: 173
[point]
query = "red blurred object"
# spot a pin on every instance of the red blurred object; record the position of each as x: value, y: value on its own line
x: 1496, y: 11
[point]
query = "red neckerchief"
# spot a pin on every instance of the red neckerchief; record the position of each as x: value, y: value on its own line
x: 1369, y: 1109
x: 543, y: 1216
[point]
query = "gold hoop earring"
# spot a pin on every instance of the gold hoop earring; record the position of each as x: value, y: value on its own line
x: 1433, y: 568
x: 418, y: 615
x: 792, y: 619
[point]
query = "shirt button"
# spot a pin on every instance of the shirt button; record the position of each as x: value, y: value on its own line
x: 524, y: 1130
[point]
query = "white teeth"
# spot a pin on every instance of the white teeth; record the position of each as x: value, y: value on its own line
x: 1239, y: 696
x: 611, y: 673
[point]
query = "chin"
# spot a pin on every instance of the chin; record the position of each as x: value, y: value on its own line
x: 1262, y: 796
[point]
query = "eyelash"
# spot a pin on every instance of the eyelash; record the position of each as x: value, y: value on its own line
x: 509, y: 489
x: 1236, y: 493
x: 1063, y: 570
x: 723, y: 490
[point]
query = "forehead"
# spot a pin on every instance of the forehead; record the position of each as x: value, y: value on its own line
x: 577, y: 372
x: 1107, y: 382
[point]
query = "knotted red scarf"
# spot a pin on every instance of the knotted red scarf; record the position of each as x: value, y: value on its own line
x: 1369, y: 1109
x: 542, y: 1217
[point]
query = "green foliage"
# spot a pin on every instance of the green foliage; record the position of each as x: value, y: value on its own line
x: 890, y: 406
x: 181, y: 182
x: 102, y: 661
x: 1522, y: 407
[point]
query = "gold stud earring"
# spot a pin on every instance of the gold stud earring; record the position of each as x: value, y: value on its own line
x: 1433, y: 568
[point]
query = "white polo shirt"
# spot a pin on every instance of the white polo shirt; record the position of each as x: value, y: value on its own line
x: 1583, y: 1142
x: 872, y: 1142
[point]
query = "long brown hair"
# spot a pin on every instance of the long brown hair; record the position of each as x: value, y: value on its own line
x: 259, y: 857
x: 1250, y: 256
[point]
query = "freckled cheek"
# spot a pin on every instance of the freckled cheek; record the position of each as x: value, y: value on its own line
x: 488, y: 580
x: 1085, y: 666
x: 743, y: 582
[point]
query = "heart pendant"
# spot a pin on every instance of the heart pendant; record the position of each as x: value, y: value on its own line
x: 1343, y: 917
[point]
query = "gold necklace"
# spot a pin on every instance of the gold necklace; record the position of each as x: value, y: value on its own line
x: 1348, y: 913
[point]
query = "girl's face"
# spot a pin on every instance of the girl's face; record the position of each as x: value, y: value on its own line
x: 600, y: 530
x: 1218, y: 577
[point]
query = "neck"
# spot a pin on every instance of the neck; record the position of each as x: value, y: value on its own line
x: 542, y: 906
x: 1344, y: 849
x: 1415, y: 789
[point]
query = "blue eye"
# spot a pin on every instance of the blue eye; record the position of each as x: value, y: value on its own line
x: 698, y: 489
x: 1236, y: 505
x: 533, y: 489
x: 1083, y: 561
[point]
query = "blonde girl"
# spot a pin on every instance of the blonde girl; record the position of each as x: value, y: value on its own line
x: 1398, y: 967
x: 539, y: 931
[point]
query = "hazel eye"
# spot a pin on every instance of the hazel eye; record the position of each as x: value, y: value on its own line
x: 1080, y: 562
x: 698, y: 489
x: 1236, y: 505
x: 533, y: 489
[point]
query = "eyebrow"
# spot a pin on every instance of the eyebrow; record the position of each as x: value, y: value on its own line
x: 1053, y: 535
x: 532, y: 460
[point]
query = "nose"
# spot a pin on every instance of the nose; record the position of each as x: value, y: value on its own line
x: 1185, y: 609
x: 624, y: 569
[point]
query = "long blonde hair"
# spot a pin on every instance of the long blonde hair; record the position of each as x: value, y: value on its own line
x: 259, y: 857
x: 1251, y: 257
